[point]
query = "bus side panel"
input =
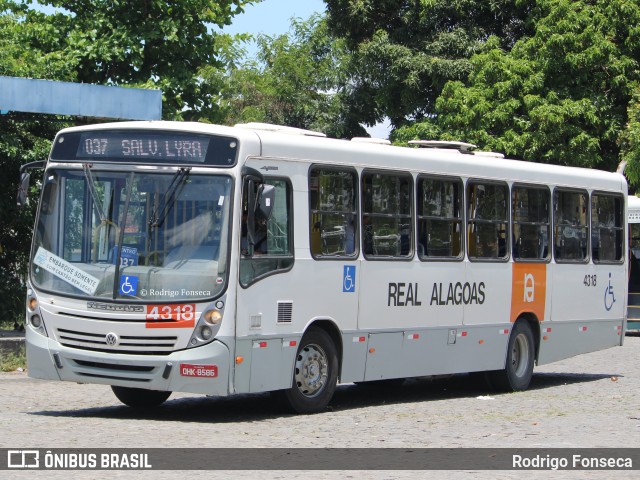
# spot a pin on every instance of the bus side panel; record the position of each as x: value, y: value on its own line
x: 397, y: 295
x: 385, y: 349
x: 435, y: 351
x: 354, y: 356
x: 466, y: 349
x: 587, y: 312
x: 487, y: 293
x: 267, y: 364
x: 560, y: 340
x: 242, y: 369
x: 313, y: 291
x: 589, y: 292
x: 426, y: 334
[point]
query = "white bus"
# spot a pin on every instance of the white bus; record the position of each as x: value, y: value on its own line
x: 216, y: 260
x: 633, y: 304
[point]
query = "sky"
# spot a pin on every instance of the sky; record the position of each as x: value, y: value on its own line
x: 273, y: 16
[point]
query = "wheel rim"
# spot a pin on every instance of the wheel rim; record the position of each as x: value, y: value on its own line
x: 520, y: 355
x: 312, y: 367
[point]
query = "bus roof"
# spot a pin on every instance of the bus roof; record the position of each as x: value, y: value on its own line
x: 443, y: 161
x: 297, y: 144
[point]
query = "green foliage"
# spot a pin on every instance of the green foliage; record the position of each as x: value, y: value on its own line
x: 298, y: 79
x: 147, y: 43
x: 10, y: 362
x: 23, y: 140
x: 631, y: 140
x: 404, y: 51
x: 424, y: 130
x: 17, y: 60
x: 559, y: 96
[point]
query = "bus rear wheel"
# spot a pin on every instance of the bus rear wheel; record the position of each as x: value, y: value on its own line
x: 140, y: 397
x: 315, y: 373
x: 518, y: 370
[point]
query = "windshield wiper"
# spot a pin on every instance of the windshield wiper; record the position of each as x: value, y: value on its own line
x: 169, y: 198
x: 125, y: 213
x: 94, y: 194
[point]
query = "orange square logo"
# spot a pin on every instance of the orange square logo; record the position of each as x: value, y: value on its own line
x: 528, y: 290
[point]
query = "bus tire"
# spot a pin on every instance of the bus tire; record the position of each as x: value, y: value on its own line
x: 518, y: 370
x: 315, y: 373
x: 140, y: 397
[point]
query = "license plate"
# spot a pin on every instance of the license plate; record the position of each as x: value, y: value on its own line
x: 207, y: 371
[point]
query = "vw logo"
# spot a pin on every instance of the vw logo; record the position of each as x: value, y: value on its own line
x: 112, y: 339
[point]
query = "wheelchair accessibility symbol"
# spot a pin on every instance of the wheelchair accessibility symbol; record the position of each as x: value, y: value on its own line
x: 609, y: 297
x: 128, y: 285
x: 349, y: 278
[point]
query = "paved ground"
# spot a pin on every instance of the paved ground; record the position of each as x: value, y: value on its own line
x: 587, y: 401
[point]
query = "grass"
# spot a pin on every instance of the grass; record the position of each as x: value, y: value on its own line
x: 9, y: 324
x: 10, y: 362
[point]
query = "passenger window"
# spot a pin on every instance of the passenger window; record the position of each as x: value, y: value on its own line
x: 333, y: 204
x: 386, y: 215
x: 273, y: 245
x: 607, y: 231
x: 531, y: 223
x: 570, y: 226
x: 439, y: 218
x: 488, y: 220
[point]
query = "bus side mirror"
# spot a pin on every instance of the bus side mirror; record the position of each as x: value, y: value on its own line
x: 264, y: 202
x: 23, y: 189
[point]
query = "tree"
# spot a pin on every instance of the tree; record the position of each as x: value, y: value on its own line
x: 630, y: 141
x: 23, y: 138
x: 560, y: 96
x: 404, y: 51
x: 147, y: 43
x: 298, y: 79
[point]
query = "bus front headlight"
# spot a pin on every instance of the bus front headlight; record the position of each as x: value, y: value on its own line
x: 206, y: 333
x: 212, y: 317
x: 208, y: 325
x: 34, y: 316
x: 35, y: 320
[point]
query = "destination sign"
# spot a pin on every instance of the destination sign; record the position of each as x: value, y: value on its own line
x: 165, y: 147
x: 144, y: 146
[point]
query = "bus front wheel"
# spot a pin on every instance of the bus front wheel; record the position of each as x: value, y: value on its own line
x: 518, y: 370
x: 140, y: 397
x: 315, y: 373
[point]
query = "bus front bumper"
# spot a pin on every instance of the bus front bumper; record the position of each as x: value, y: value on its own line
x: 202, y: 370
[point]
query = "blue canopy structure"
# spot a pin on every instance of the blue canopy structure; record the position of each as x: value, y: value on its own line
x: 79, y: 99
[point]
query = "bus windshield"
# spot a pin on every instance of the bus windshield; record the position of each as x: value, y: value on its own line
x: 150, y: 236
